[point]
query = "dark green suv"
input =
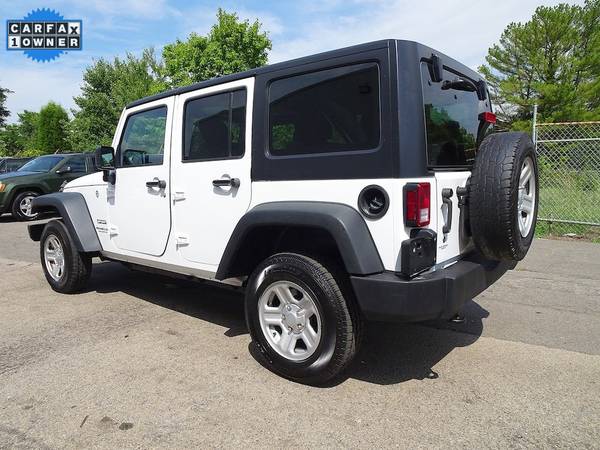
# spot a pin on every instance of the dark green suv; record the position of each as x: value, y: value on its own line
x: 39, y: 176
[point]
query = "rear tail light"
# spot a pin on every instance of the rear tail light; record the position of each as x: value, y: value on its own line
x: 417, y: 209
x: 488, y: 117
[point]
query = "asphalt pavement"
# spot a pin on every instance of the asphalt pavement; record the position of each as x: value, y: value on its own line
x: 143, y: 361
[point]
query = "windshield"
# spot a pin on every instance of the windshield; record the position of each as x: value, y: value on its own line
x: 451, y: 121
x: 41, y: 164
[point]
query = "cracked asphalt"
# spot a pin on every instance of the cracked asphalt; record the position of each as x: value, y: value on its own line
x: 142, y: 361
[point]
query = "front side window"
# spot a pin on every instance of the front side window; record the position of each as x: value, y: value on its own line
x: 41, y: 164
x: 77, y: 164
x: 214, y: 127
x: 451, y: 121
x: 143, y: 140
x: 333, y: 110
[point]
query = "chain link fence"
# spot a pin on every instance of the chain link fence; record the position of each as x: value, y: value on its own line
x: 569, y: 171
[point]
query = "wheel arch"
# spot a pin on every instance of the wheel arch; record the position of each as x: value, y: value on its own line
x: 28, y: 187
x: 316, y: 227
x: 73, y: 210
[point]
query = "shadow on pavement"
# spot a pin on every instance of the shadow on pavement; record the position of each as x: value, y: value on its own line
x: 7, y: 218
x: 394, y: 353
x: 391, y: 353
x: 207, y: 302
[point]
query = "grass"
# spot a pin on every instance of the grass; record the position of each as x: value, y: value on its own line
x: 569, y: 204
x: 570, y: 201
x: 553, y: 230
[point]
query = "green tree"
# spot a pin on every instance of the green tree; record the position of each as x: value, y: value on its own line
x: 4, y: 112
x: 231, y: 46
x: 12, y: 140
x: 27, y: 126
x: 107, y: 88
x: 552, y: 60
x: 19, y: 138
x: 51, y: 132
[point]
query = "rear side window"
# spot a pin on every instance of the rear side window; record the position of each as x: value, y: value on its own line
x: 214, y: 127
x: 329, y: 111
x: 143, y: 141
x: 451, y: 121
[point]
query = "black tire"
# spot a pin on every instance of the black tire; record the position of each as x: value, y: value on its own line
x: 340, y: 319
x: 16, y: 206
x: 494, y: 196
x: 77, y: 266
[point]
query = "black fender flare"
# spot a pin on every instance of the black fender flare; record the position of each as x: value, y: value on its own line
x: 344, y: 223
x: 71, y: 206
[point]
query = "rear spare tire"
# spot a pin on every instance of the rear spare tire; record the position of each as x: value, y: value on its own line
x: 503, y: 196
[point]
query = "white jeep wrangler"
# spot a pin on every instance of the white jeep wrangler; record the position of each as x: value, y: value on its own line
x: 362, y: 183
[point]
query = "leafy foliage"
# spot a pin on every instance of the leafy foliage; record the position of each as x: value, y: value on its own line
x: 107, y: 88
x: 552, y: 60
x: 19, y: 139
x: 51, y: 131
x: 230, y: 46
x: 11, y: 140
x: 4, y: 113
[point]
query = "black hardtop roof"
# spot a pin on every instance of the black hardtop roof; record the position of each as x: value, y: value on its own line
x: 421, y: 49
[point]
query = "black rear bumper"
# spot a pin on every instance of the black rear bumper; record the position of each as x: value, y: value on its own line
x: 436, y: 295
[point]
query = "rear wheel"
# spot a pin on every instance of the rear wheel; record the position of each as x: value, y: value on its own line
x: 66, y: 269
x: 21, y: 206
x: 300, y: 320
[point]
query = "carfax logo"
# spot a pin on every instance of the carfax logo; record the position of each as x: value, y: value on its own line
x: 43, y: 35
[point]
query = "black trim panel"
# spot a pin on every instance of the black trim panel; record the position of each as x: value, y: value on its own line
x: 436, y: 295
x: 345, y: 225
x: 72, y: 208
x: 369, y: 163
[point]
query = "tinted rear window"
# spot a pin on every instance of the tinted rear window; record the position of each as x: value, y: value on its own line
x: 214, y: 126
x: 451, y: 121
x: 333, y: 110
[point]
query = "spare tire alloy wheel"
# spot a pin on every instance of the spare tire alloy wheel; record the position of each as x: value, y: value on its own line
x: 527, y: 197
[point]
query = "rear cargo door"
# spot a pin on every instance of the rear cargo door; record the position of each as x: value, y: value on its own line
x: 451, y: 225
x: 453, y: 129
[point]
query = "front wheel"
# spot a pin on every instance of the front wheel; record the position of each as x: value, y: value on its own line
x: 299, y: 319
x: 66, y: 269
x: 21, y: 206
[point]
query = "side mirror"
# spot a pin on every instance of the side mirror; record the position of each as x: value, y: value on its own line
x: 63, y: 170
x: 104, y: 158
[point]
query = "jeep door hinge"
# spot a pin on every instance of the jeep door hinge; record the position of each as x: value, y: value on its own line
x: 182, y: 240
x: 113, y: 230
x: 178, y: 196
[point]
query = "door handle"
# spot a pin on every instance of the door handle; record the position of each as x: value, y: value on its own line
x: 221, y: 182
x: 156, y: 183
x: 447, y: 194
